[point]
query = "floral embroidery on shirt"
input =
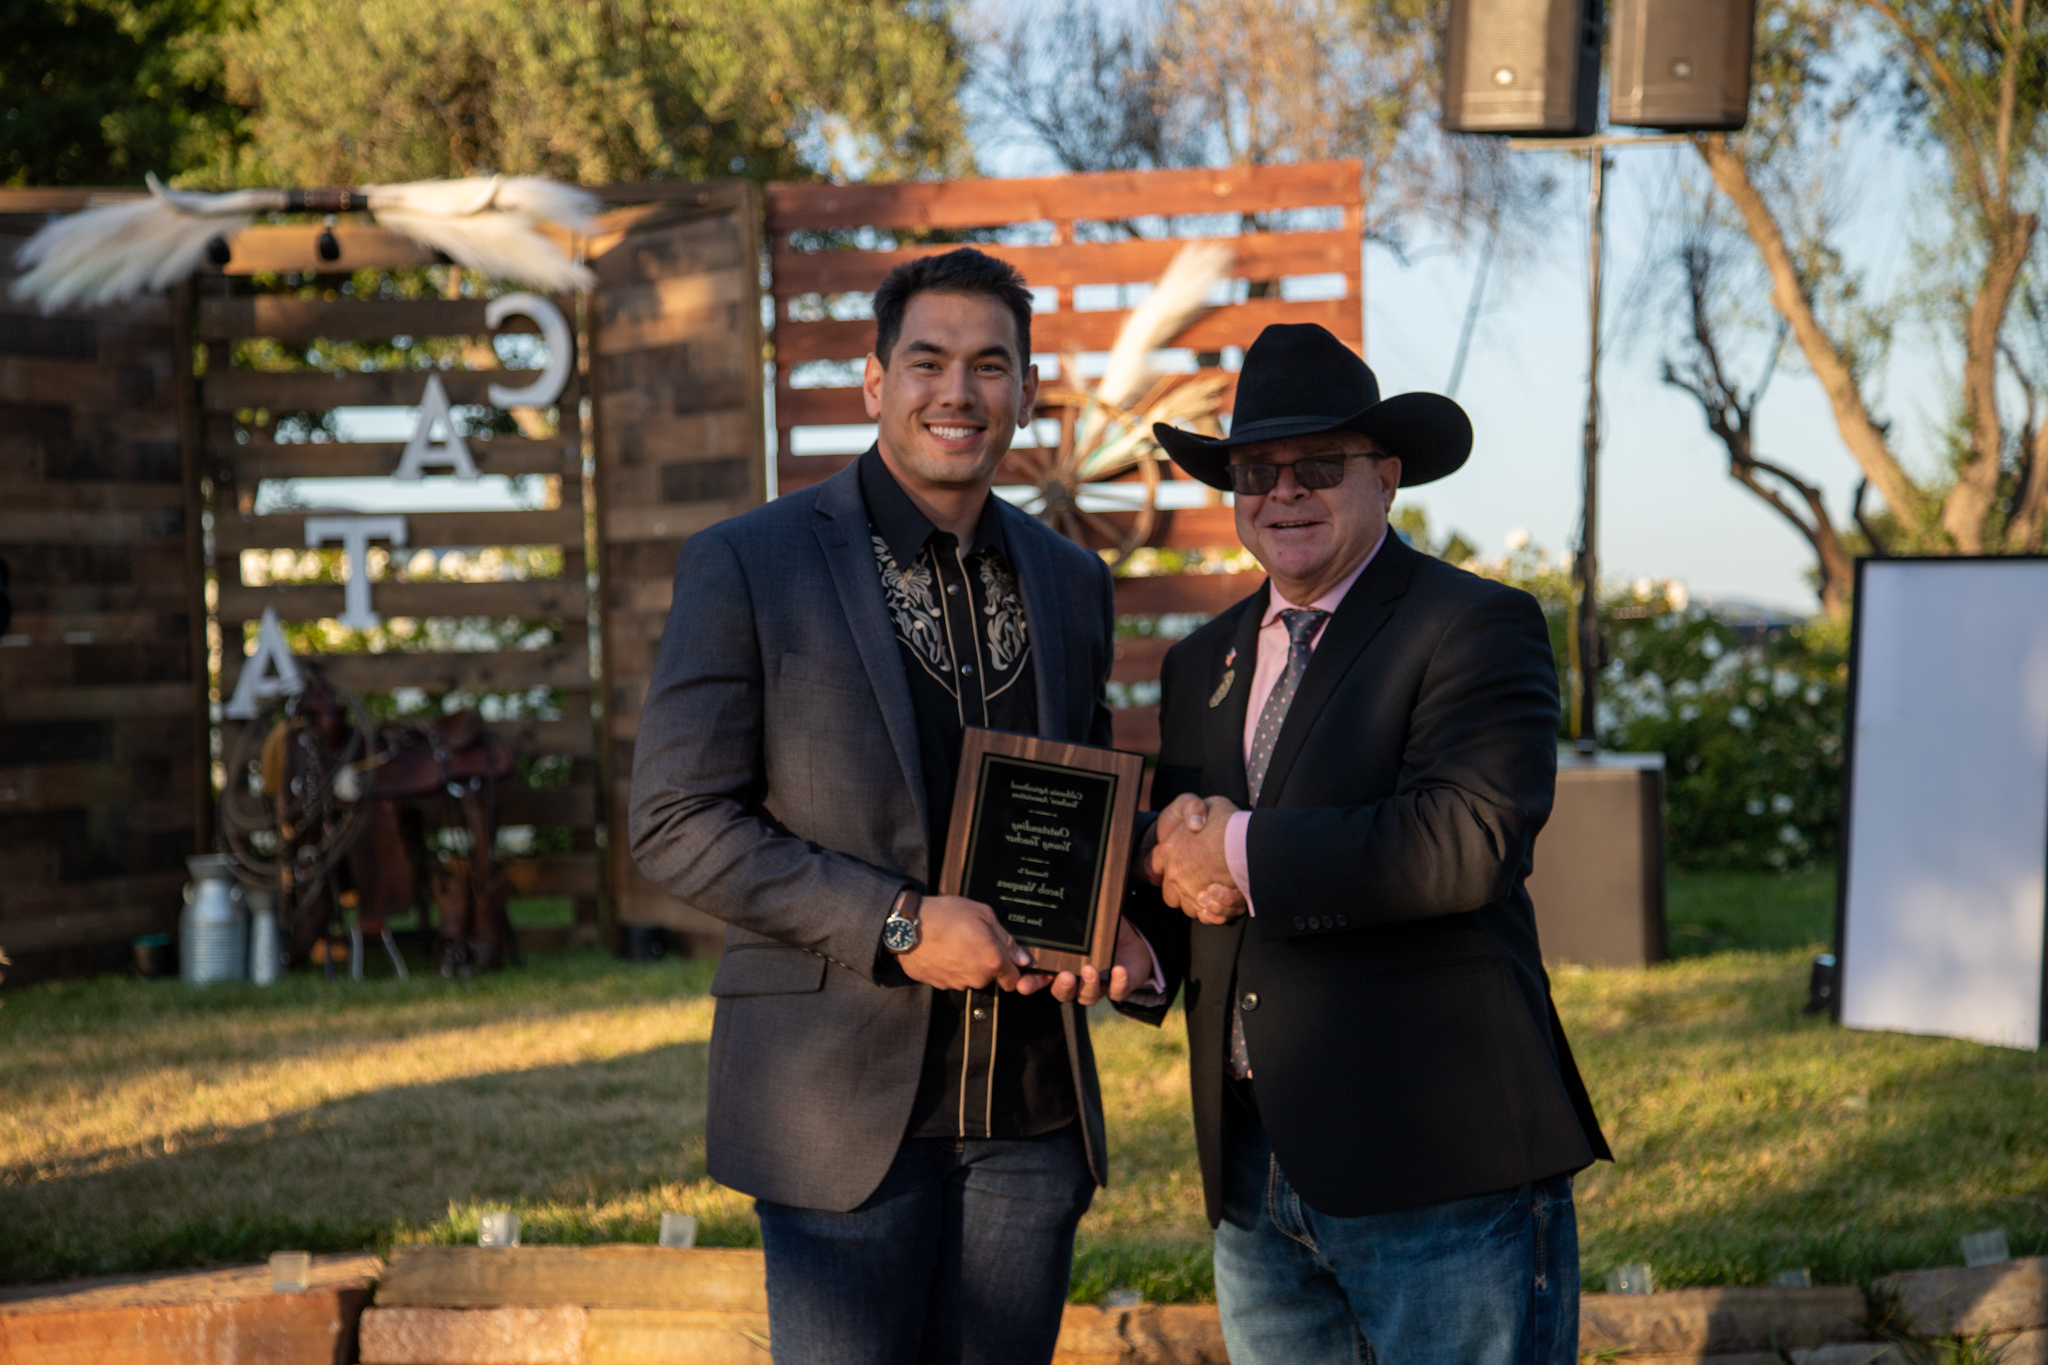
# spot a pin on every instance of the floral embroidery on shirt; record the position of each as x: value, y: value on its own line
x: 1005, y: 612
x: 919, y: 622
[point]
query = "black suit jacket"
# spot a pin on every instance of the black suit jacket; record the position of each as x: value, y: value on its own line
x: 1403, y: 1043
x: 777, y: 785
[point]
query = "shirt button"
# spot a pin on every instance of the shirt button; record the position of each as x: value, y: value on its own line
x: 980, y: 1013
x: 1300, y: 923
x: 967, y: 668
x: 953, y: 589
x: 1250, y: 1002
x: 1343, y: 923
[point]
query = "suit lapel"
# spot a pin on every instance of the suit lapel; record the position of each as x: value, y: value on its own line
x: 1365, y: 609
x: 850, y: 554
x: 1047, y: 625
x: 1224, y: 763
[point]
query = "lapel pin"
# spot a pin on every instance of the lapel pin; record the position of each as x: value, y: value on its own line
x: 1231, y: 657
x: 1223, y: 688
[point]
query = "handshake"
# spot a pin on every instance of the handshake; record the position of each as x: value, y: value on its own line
x: 1184, y: 858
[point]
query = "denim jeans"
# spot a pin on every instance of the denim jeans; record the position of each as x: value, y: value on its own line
x: 961, y: 1255
x: 1490, y: 1280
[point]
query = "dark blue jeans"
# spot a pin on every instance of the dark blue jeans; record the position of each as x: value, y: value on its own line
x: 961, y: 1255
x: 1491, y: 1280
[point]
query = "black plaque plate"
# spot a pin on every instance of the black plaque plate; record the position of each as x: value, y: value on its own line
x: 1041, y: 833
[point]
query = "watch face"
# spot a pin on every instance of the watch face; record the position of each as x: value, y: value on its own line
x: 899, y: 935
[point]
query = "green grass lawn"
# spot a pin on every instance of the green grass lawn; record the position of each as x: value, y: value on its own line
x: 146, y: 1126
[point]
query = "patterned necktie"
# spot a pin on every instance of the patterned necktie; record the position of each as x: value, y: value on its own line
x: 1301, y: 632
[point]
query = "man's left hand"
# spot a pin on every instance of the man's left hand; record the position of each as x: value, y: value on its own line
x: 1131, y: 966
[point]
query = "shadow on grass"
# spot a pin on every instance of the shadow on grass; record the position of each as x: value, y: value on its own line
x: 1715, y: 912
x: 1753, y: 1140
x: 112, y: 1028
x: 587, y: 1152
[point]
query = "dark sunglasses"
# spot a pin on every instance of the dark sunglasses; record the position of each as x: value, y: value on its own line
x: 1257, y: 480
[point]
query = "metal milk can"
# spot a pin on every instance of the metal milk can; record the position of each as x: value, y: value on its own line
x: 213, y: 931
x: 264, y: 957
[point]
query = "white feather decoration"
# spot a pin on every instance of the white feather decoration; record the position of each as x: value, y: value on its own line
x: 113, y: 251
x: 1181, y: 295
x: 488, y: 224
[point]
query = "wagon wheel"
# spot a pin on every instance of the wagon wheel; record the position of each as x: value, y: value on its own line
x: 280, y: 839
x: 1056, y: 483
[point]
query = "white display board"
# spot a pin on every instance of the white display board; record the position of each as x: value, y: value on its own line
x: 1945, y: 860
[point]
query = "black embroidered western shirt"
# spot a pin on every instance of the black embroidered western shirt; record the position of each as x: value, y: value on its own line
x: 995, y: 1064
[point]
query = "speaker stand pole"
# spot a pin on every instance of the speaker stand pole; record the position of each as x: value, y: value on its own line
x: 1586, y: 569
x: 1587, y: 566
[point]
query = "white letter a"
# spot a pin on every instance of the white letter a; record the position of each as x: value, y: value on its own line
x: 423, y: 451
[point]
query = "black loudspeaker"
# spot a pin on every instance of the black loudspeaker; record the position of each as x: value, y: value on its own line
x: 1682, y: 65
x: 1523, y: 66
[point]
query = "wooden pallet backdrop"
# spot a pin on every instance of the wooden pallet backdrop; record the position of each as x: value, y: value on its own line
x: 672, y: 365
x: 676, y: 340
x: 238, y: 406
x: 828, y: 240
x: 103, y: 787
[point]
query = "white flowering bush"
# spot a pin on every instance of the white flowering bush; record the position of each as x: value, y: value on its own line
x: 1749, y: 721
x: 1751, y: 733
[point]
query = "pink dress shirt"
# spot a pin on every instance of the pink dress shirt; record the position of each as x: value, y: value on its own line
x: 1272, y: 662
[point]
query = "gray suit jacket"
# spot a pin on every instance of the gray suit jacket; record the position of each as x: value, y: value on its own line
x: 776, y: 786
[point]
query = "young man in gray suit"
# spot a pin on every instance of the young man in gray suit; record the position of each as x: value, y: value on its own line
x: 919, y: 1122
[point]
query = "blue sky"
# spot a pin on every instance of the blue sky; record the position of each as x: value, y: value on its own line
x: 1668, y: 505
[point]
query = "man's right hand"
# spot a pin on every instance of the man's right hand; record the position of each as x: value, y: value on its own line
x: 961, y: 947
x: 1210, y: 896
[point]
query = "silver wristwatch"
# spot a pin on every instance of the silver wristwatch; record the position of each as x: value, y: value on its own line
x: 900, y: 932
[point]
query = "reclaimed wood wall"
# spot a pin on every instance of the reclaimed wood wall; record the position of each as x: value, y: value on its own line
x: 276, y: 290
x: 835, y: 240
x: 680, y: 431
x: 103, y: 786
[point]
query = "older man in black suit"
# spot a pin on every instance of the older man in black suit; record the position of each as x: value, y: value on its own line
x: 1355, y: 763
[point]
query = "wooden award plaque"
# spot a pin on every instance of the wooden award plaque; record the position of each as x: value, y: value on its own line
x: 1041, y: 833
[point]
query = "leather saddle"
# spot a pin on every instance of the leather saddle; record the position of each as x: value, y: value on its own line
x: 453, y: 754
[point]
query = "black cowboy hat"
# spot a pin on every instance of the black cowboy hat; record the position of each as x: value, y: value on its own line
x: 1299, y: 380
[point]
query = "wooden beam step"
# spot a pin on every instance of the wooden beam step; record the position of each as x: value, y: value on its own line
x: 725, y: 1280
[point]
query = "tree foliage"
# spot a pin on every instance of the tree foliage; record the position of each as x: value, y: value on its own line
x: 220, y: 92
x: 598, y: 91
x: 97, y: 92
x: 1240, y: 82
x: 1749, y: 716
x: 1965, y: 88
